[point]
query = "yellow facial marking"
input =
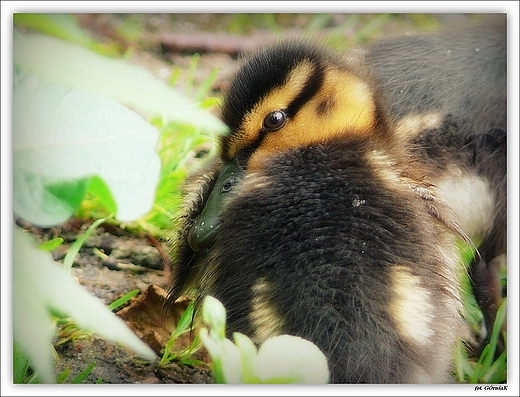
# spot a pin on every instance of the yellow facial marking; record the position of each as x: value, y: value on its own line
x: 343, y: 106
x: 411, y: 307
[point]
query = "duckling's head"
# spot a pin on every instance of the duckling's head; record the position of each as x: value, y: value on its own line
x: 293, y: 95
x: 285, y: 97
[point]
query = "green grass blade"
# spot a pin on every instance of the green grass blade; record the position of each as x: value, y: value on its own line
x: 184, y: 321
x: 20, y: 365
x: 63, y: 375
x: 497, y: 326
x: 497, y: 372
x: 205, y: 86
x: 84, y: 374
x: 76, y: 246
x: 121, y: 301
x: 51, y: 244
x: 191, y: 74
x: 476, y: 374
x: 463, y: 368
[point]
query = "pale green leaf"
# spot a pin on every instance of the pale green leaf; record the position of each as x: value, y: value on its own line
x: 248, y: 356
x: 227, y: 367
x: 281, y: 359
x: 62, y: 137
x: 133, y: 86
x: 290, y: 359
x: 214, y: 315
x: 35, y: 198
x: 40, y: 285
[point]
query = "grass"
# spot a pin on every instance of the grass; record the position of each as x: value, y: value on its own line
x: 486, y: 368
x: 185, y: 324
x: 178, y: 145
x: 23, y: 373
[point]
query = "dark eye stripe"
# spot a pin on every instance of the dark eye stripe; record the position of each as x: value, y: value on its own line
x: 313, y: 85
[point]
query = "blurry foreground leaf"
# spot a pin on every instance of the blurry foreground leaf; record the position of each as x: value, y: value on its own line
x: 282, y: 359
x: 63, y: 26
x: 41, y: 286
x: 63, y: 138
x: 133, y: 86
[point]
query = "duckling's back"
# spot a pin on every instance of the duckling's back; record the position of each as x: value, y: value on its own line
x: 448, y: 92
x: 460, y: 72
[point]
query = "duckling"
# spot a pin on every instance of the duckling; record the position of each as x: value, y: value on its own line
x: 454, y: 112
x: 327, y: 213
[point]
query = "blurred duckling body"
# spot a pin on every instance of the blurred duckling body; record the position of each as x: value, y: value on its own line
x: 451, y: 101
x: 320, y: 220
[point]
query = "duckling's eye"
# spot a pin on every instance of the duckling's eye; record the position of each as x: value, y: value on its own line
x: 275, y: 120
x: 229, y: 184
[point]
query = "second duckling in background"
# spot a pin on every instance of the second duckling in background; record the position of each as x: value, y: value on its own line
x: 333, y: 209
